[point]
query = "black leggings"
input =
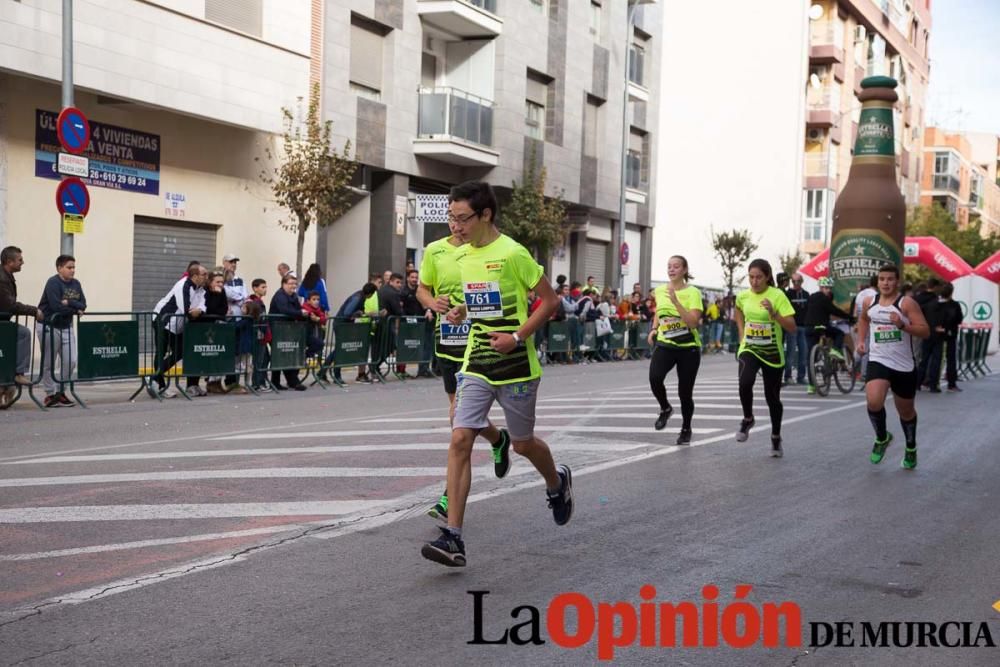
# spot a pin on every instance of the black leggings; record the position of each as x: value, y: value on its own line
x: 749, y: 365
x: 687, y: 360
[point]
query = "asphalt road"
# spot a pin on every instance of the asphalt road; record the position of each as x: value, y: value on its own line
x: 286, y: 529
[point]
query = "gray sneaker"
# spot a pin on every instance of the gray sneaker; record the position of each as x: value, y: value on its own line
x: 744, y: 432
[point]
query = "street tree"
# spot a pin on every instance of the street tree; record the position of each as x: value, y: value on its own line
x: 791, y: 261
x: 311, y: 180
x: 732, y: 249
x: 535, y: 221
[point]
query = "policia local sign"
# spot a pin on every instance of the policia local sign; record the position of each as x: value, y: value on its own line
x: 119, y: 157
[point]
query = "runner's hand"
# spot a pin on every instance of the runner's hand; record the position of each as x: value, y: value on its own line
x: 651, y: 336
x: 442, y: 304
x: 895, y: 319
x: 501, y: 342
x: 456, y: 315
x: 768, y: 307
x: 861, y: 348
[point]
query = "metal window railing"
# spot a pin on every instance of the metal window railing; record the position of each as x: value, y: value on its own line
x: 446, y: 111
x: 946, y: 182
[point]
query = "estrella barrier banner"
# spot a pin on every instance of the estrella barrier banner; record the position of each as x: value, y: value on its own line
x: 617, y: 340
x: 108, y: 349
x: 351, y: 341
x: 209, y: 348
x: 559, y: 338
x: 641, y: 341
x: 8, y: 352
x: 410, y: 340
x: 288, y: 344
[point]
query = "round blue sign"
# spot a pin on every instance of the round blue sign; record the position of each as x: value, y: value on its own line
x: 73, y: 130
x: 72, y: 196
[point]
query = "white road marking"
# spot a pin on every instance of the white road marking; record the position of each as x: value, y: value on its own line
x: 141, y: 544
x: 596, y: 428
x: 332, y: 449
x: 698, y: 416
x: 185, y: 511
x: 636, y: 400
x: 242, y: 473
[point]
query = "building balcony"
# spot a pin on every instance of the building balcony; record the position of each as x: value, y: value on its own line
x: 465, y: 19
x: 456, y: 127
x: 819, y: 117
x: 946, y: 182
x: 825, y: 46
x: 825, y: 54
x: 820, y: 171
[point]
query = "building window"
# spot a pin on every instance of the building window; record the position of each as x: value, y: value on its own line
x: 814, y: 220
x: 591, y: 136
x: 242, y: 15
x: 595, y: 18
x: 367, y: 39
x: 536, y: 99
x: 637, y: 60
x: 636, y: 161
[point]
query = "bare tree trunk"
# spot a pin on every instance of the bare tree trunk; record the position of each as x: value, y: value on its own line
x: 303, y: 225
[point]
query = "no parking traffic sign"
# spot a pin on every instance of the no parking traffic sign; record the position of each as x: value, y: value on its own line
x: 73, y: 130
x: 73, y: 197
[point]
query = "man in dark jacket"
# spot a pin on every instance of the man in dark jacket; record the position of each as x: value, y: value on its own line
x: 285, y: 302
x: 11, y: 262
x: 413, y: 308
x: 796, y: 346
x: 62, y: 299
x: 391, y: 298
x: 944, y: 321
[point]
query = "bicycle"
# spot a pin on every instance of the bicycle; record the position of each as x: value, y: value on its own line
x: 823, y: 365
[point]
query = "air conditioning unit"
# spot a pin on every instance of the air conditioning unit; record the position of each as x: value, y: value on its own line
x: 816, y: 135
x: 860, y: 33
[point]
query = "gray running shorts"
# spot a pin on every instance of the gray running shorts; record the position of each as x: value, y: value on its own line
x: 475, y: 397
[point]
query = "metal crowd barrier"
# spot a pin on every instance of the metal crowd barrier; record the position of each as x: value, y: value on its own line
x: 570, y: 339
x: 972, y: 348
x: 15, y: 347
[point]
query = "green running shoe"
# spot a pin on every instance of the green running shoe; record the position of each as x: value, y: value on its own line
x: 878, y: 450
x: 501, y: 455
x: 836, y: 354
x: 810, y: 389
x: 910, y: 458
x: 440, y: 510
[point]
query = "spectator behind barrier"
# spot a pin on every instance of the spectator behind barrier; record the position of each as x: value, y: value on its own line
x: 62, y: 299
x: 286, y: 302
x: 11, y: 261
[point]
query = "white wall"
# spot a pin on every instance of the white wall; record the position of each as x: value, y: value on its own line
x: 170, y: 59
x: 731, y: 129
x: 347, y: 253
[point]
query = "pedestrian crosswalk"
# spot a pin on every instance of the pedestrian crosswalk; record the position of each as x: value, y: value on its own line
x: 171, y: 500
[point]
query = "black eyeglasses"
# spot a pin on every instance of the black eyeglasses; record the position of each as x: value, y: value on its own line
x: 462, y: 220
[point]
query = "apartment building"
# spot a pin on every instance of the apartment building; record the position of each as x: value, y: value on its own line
x: 435, y: 92
x: 848, y: 41
x: 182, y: 96
x: 960, y: 175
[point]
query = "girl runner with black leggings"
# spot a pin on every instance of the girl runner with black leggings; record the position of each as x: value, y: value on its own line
x: 763, y: 313
x: 675, y: 328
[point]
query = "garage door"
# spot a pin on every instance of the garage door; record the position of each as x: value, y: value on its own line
x: 596, y: 262
x: 160, y: 255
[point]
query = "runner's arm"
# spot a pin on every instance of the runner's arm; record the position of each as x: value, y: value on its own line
x: 738, y: 316
x: 786, y: 322
x: 861, y: 344
x: 440, y: 304
x: 918, y: 327
x: 550, y: 302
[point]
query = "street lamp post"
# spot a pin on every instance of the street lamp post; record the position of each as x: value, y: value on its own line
x: 66, y: 240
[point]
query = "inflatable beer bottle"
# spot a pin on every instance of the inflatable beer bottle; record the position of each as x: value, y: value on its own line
x: 869, y: 218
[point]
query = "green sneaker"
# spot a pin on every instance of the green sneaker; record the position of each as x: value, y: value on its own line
x: 810, y: 389
x: 836, y: 354
x: 878, y: 450
x: 910, y: 458
x: 501, y: 455
x: 440, y: 509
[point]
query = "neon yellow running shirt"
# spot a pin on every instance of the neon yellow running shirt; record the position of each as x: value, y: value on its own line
x: 495, y: 281
x: 672, y: 329
x: 763, y: 336
x: 439, y: 270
